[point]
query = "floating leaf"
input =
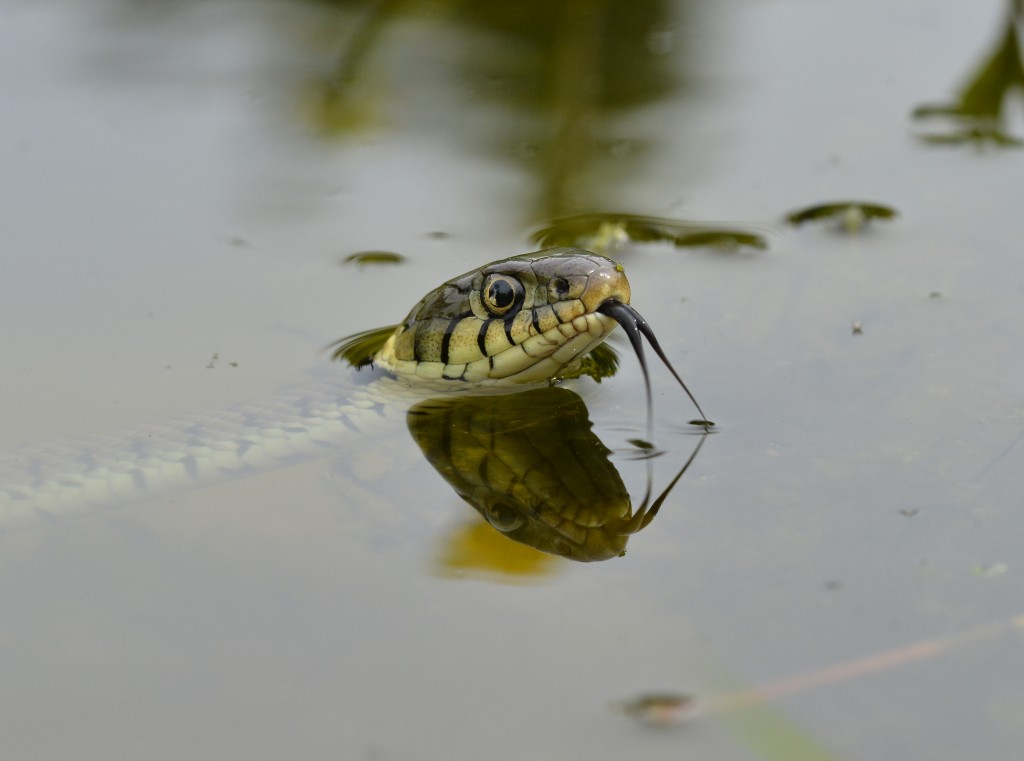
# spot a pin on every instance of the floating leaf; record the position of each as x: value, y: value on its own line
x: 359, y: 349
x: 374, y: 257
x: 726, y: 240
x: 852, y: 215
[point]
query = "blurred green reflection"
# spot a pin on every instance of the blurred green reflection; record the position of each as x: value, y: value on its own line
x: 559, y: 71
x: 530, y: 464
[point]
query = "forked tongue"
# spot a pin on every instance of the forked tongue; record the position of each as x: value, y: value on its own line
x: 635, y: 325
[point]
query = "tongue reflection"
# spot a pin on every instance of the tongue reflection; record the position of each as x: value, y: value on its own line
x: 634, y: 324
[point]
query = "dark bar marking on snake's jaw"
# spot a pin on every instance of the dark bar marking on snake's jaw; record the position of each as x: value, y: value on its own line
x: 446, y: 340
x: 481, y: 337
x: 535, y: 313
x: 508, y: 330
x: 635, y: 325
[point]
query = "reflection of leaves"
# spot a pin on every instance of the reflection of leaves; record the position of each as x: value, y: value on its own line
x: 562, y: 69
x: 559, y: 69
x: 605, y: 231
x: 346, y: 100
x: 374, y: 257
x: 852, y: 215
x: 555, y: 75
x: 359, y: 349
x: 978, y: 110
x: 334, y: 111
x: 979, y: 135
x: 985, y: 93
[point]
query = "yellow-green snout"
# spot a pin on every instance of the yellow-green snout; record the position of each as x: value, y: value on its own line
x: 518, y: 320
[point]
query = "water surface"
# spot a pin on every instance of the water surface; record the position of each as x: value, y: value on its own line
x: 182, y: 183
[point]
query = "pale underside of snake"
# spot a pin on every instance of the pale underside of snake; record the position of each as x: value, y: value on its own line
x: 524, y: 320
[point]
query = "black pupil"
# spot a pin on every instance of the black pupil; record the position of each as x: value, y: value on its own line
x: 501, y: 294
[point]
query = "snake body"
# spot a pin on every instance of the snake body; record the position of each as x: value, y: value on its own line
x: 519, y: 320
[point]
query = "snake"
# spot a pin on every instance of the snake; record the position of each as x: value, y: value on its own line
x: 521, y: 321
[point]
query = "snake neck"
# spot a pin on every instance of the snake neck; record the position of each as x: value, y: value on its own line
x: 41, y: 484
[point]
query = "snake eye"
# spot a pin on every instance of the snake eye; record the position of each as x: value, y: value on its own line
x: 501, y: 294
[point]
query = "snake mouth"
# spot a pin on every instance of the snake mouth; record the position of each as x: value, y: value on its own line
x: 636, y: 328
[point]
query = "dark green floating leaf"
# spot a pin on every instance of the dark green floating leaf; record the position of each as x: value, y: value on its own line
x: 602, y: 362
x: 641, y: 444
x: 359, y: 349
x: 852, y: 215
x: 702, y: 423
x: 726, y: 240
x: 374, y: 257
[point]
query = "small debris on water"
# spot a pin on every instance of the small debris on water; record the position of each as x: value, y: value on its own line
x: 213, y: 361
x: 857, y: 329
x: 935, y: 295
x: 909, y: 512
x: 701, y: 423
x: 660, y: 710
x: 834, y: 585
x: 641, y: 444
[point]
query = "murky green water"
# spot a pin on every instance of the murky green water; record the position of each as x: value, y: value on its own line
x: 835, y: 577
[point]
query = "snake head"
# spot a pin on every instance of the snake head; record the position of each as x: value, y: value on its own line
x: 519, y: 320
x: 527, y: 319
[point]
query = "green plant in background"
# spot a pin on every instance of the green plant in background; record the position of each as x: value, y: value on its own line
x: 977, y: 116
x: 559, y: 72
